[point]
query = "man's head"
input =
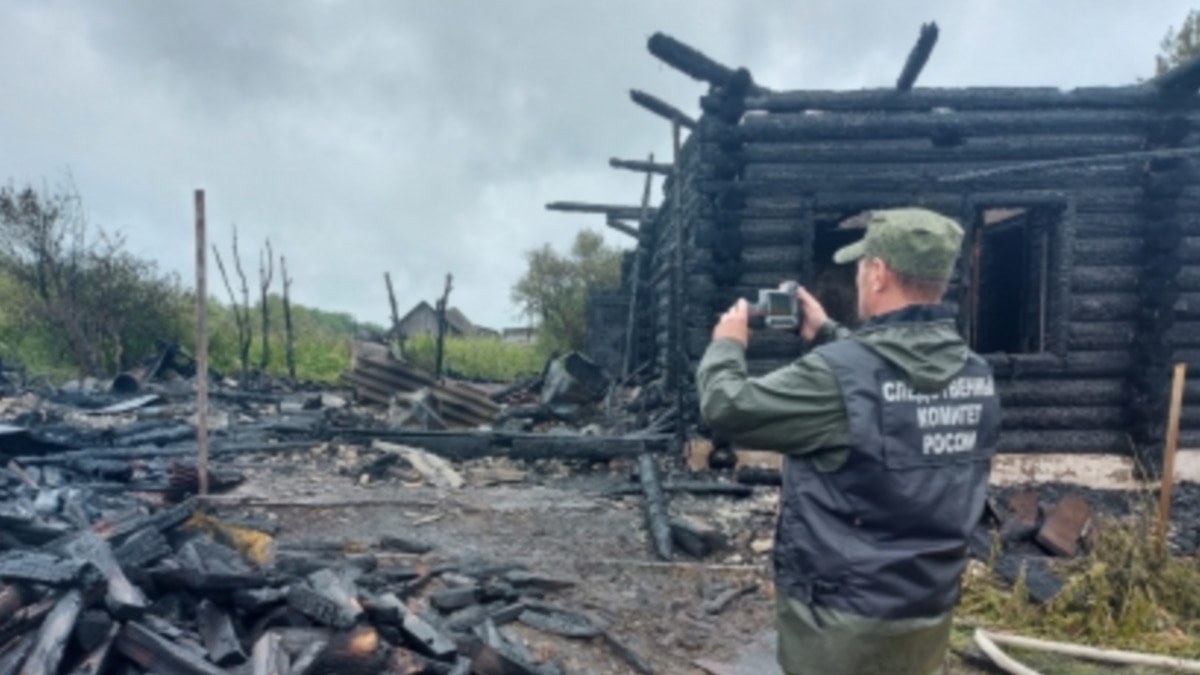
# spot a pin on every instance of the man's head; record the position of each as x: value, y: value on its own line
x: 906, y: 258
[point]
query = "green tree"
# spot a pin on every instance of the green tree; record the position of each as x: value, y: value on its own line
x: 75, y: 288
x: 1179, y: 45
x: 554, y: 289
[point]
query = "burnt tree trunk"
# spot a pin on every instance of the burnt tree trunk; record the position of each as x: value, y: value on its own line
x: 289, y: 331
x: 266, y: 271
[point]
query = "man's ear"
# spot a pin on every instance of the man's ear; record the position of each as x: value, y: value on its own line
x: 880, y: 276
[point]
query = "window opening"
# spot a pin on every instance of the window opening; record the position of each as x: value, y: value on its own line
x: 1010, y: 280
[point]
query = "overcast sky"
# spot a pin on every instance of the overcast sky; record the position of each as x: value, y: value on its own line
x: 423, y: 138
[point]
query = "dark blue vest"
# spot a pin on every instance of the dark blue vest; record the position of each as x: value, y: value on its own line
x: 885, y: 536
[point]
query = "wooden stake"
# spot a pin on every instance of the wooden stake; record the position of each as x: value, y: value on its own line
x: 387, y: 277
x: 1168, y: 473
x: 441, y: 327
x: 201, y: 348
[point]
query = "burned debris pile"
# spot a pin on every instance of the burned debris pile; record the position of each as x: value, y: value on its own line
x: 128, y: 590
x: 110, y: 564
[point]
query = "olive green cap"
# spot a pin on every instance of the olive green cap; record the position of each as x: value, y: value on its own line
x: 918, y: 243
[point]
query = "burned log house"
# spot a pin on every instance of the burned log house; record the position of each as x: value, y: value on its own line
x: 1080, y: 279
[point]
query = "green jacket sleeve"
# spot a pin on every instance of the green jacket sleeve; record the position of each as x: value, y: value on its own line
x: 796, y: 409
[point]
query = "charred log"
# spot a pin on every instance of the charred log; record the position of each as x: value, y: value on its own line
x: 793, y: 127
x: 970, y: 98
x: 658, y: 522
x: 700, y: 67
x: 917, y: 58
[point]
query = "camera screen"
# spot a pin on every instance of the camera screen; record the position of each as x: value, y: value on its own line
x: 779, y: 304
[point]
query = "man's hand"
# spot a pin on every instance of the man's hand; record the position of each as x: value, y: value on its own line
x: 814, y: 314
x: 734, y: 324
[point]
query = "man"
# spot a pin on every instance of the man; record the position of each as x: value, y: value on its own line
x: 888, y: 434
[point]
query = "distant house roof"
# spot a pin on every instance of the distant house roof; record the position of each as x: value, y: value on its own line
x: 456, y: 321
x: 459, y: 321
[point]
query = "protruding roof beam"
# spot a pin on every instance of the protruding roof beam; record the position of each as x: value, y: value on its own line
x: 918, y: 57
x: 691, y: 62
x: 661, y: 108
x: 613, y: 211
x: 641, y: 166
x: 622, y: 226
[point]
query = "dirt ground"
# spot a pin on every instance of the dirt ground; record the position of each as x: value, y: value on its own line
x: 562, y: 525
x: 553, y: 520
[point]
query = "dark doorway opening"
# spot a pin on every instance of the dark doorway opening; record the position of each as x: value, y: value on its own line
x: 833, y: 284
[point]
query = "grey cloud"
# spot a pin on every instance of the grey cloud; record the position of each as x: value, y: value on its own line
x: 425, y: 138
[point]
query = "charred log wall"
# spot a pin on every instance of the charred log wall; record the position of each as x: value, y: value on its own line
x: 1121, y: 297
x: 607, y: 315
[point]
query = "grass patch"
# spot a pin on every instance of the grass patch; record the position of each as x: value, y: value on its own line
x: 1123, y: 594
x: 486, y: 359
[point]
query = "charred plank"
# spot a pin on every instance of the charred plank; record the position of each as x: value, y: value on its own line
x: 53, y: 636
x: 327, y: 600
x: 15, y: 652
x: 124, y: 600
x: 44, y: 568
x: 98, y: 657
x: 220, y: 639
x: 268, y: 657
x: 657, y: 517
x: 153, y: 652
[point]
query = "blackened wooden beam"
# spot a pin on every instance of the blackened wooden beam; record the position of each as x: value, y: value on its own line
x: 662, y: 108
x: 13, y: 654
x: 1180, y: 81
x: 1081, y: 418
x: 641, y: 166
x: 688, y: 487
x: 698, y: 66
x: 97, y: 659
x: 949, y: 127
x: 1033, y: 442
x: 971, y: 98
x: 26, y: 618
x: 53, y: 635
x: 799, y: 183
x: 658, y: 522
x: 155, y: 653
x: 124, y: 600
x: 220, y: 639
x: 181, y: 450
x: 918, y: 57
x: 999, y: 148
x: 615, y: 211
x: 12, y: 598
x: 621, y: 226
x: 269, y: 658
x: 758, y: 475
x: 1043, y: 165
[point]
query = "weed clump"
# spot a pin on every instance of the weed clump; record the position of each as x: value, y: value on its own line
x: 1123, y: 593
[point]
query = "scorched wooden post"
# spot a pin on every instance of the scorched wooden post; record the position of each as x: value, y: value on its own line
x: 201, y: 349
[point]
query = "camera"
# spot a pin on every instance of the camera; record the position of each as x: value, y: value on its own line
x: 777, y: 309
